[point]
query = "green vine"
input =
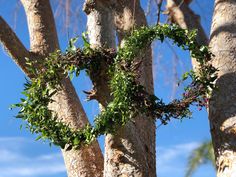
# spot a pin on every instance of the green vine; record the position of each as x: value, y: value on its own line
x: 129, y: 97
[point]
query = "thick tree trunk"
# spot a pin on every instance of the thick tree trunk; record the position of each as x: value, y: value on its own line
x: 131, y: 152
x: 222, y: 110
x: 87, y: 161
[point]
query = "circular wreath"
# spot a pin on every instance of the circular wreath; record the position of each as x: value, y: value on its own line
x: 129, y: 97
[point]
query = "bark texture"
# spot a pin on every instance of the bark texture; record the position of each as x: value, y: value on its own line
x: 43, y: 39
x: 222, y: 110
x: 41, y: 25
x: 131, y: 152
x: 100, y: 26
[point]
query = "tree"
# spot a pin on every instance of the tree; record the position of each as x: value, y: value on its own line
x: 199, y: 156
x: 131, y: 151
x: 43, y: 39
x: 88, y: 161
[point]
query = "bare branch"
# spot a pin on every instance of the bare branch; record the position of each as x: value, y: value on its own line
x: 16, y: 11
x: 180, y: 13
x: 149, y: 3
x: 13, y: 45
x: 159, y: 4
x: 68, y: 13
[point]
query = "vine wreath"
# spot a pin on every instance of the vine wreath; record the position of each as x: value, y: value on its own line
x: 129, y: 97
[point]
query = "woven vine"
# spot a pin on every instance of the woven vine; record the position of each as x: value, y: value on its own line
x: 129, y: 97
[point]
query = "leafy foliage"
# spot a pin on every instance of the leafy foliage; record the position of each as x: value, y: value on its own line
x: 129, y: 97
x: 201, y: 155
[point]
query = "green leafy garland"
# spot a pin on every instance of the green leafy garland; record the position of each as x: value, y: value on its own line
x: 129, y: 97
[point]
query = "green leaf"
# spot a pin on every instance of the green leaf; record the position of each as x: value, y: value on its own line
x: 202, y: 154
x: 76, y: 141
x: 185, y: 76
x: 77, y: 72
x: 85, y: 40
x: 72, y: 48
x: 71, y: 75
x: 38, y: 138
x: 20, y: 116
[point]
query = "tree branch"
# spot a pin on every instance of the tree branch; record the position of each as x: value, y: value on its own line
x: 13, y: 45
x: 180, y: 13
x: 159, y: 4
x: 41, y: 24
x: 132, y: 139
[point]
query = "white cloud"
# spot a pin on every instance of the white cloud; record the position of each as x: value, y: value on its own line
x: 10, y: 139
x: 18, y: 159
x: 32, y: 170
x: 8, y: 156
x: 169, y: 153
x: 173, y: 159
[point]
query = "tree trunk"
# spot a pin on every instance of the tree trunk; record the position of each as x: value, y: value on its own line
x: 101, y: 31
x: 131, y: 151
x: 87, y: 161
x: 222, y: 108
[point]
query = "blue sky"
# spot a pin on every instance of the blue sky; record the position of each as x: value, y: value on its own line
x: 22, y: 156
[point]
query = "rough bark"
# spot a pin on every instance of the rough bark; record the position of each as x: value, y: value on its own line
x: 100, y: 26
x: 222, y: 109
x: 87, y: 161
x: 41, y: 25
x: 131, y: 152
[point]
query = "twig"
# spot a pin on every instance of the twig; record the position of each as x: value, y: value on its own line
x: 159, y: 4
x: 148, y: 7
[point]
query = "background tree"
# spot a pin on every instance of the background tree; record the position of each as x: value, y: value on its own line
x: 199, y: 156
